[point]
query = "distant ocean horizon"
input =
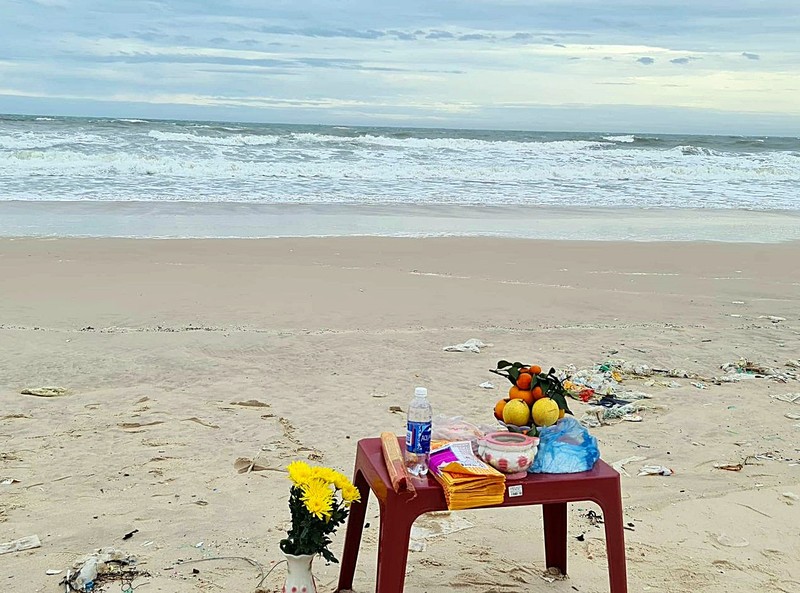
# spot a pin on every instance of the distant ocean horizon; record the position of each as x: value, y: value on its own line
x: 183, y: 165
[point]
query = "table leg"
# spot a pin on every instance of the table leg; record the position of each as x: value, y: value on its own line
x: 615, y: 542
x: 555, y: 535
x: 393, y: 550
x: 352, y: 541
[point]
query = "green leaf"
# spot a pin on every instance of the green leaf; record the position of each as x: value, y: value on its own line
x: 513, y: 375
x: 501, y: 364
x: 559, y: 398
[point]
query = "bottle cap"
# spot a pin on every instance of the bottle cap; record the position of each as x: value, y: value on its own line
x: 421, y: 392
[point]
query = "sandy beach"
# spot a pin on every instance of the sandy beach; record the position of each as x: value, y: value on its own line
x: 181, y: 356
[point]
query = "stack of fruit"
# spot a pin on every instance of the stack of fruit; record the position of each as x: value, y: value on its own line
x: 536, y: 399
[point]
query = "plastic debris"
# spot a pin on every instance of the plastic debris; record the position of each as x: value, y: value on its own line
x: 487, y: 385
x: 791, y: 416
x: 790, y: 496
x: 699, y: 385
x: 245, y: 465
x: 433, y: 525
x: 45, y: 391
x: 791, y: 398
x: 53, y: 572
x: 21, y: 544
x: 599, y: 415
x: 746, y: 366
x: 620, y: 465
x: 793, y: 364
x: 747, y: 369
x: 8, y: 481
x: 655, y: 470
x: 772, y: 318
x: 636, y: 395
x: 471, y: 345
x: 661, y: 383
x: 100, y: 566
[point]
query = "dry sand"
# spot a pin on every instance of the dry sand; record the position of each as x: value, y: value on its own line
x: 157, y: 341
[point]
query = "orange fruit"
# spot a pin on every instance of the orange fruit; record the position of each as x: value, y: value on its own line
x: 524, y: 381
x: 498, y: 408
x: 561, y: 413
x: 523, y: 394
x: 536, y: 370
x: 537, y: 393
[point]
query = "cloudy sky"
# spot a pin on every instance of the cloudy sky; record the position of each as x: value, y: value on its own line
x: 719, y: 66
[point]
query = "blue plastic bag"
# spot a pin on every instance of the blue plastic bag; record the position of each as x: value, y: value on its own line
x: 565, y: 448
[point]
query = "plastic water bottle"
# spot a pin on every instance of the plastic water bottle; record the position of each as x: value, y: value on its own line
x: 418, y: 433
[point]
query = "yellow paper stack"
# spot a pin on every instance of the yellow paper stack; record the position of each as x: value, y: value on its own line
x: 467, y: 481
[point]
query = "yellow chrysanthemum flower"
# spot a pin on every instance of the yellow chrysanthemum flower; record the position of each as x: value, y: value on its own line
x: 325, y: 474
x: 318, y: 498
x: 341, y: 481
x: 300, y: 472
x: 350, y: 494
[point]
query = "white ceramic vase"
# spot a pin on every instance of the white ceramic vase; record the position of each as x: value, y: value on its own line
x: 299, y: 578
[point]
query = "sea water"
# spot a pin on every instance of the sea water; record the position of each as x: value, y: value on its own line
x: 305, y: 170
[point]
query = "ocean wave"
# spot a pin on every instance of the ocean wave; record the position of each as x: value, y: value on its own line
x: 690, y: 150
x: 206, y: 161
x: 228, y: 140
x: 31, y: 140
x: 625, y: 139
x: 406, y: 140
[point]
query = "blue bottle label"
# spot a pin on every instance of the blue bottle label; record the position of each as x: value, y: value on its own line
x: 418, y: 438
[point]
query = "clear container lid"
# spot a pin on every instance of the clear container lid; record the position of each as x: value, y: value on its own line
x: 420, y: 392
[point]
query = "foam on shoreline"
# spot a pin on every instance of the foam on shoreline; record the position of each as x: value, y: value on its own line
x: 241, y: 220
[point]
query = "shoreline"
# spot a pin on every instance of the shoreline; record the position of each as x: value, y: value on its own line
x: 240, y: 220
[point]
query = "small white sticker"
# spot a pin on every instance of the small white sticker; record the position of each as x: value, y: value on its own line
x: 515, y: 490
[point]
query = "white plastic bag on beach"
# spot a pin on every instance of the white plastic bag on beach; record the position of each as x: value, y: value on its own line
x: 471, y: 345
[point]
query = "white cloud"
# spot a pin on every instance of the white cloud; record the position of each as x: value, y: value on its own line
x: 414, y: 59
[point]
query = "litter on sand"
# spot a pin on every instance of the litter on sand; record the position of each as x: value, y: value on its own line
x: 471, y: 345
x: 18, y: 545
x: 45, y: 391
x: 772, y: 318
x: 620, y: 465
x: 101, y: 567
x: 746, y: 368
x: 791, y: 398
x: 244, y: 465
x: 655, y: 470
x: 487, y: 385
x: 731, y: 467
x: 790, y: 496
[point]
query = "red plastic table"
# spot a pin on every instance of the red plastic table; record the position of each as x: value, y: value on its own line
x: 399, y: 511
